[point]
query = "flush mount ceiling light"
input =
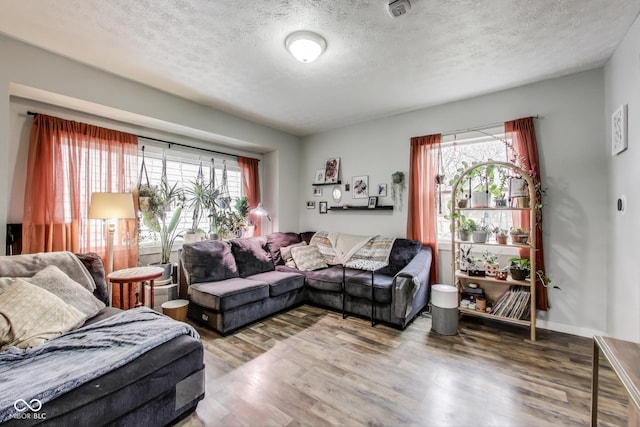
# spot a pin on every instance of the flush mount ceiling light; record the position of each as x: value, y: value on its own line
x: 305, y: 46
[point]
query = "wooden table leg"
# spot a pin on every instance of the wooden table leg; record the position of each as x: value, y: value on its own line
x: 144, y: 293
x: 151, y: 282
x: 121, y: 296
x: 595, y: 364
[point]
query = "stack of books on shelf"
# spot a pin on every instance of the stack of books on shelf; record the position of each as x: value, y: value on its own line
x: 514, y: 304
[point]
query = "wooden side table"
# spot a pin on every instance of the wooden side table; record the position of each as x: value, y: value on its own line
x: 623, y: 358
x: 133, y: 276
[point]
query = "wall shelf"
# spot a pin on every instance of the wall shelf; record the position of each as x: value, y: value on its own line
x: 326, y: 183
x: 360, y: 208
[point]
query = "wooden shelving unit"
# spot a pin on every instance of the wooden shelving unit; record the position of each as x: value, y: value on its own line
x: 493, y: 287
x: 326, y: 183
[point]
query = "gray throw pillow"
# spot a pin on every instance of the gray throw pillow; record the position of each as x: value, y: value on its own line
x: 286, y: 254
x: 209, y: 261
x: 54, y: 280
x: 308, y: 258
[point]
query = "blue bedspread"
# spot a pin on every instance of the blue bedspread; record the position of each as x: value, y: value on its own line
x: 81, y: 355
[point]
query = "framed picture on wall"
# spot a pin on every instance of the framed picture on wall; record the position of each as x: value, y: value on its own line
x: 319, y: 176
x: 311, y: 204
x: 331, y: 170
x: 619, y: 130
x: 382, y: 190
x: 373, y: 201
x: 323, y: 207
x: 360, y: 186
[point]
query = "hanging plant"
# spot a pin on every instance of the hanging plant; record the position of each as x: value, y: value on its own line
x: 397, y: 188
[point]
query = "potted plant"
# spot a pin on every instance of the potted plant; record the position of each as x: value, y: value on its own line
x: 481, y: 233
x: 519, y: 268
x: 201, y: 198
x: 518, y: 235
x: 158, y: 221
x: 501, y: 235
x: 243, y: 222
x: 490, y: 260
x: 148, y: 196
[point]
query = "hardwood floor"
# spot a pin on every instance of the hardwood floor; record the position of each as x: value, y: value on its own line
x: 310, y: 367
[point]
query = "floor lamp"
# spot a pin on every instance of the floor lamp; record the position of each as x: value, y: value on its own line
x: 110, y: 207
x: 261, y: 212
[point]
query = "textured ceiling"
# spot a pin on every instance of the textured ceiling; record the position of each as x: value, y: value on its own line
x: 229, y: 54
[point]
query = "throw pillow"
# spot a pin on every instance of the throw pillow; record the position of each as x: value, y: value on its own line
x: 35, y: 315
x: 209, y: 261
x: 308, y: 258
x: 278, y: 240
x: 251, y: 256
x: 54, y: 280
x: 286, y: 254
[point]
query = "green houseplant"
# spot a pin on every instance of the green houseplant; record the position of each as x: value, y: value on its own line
x: 165, y: 198
x: 520, y: 268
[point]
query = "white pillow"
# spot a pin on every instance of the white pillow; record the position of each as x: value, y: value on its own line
x: 308, y: 258
x: 34, y: 316
x: 56, y: 281
x: 285, y: 253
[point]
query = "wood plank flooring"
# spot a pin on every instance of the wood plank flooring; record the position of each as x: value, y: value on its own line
x: 310, y: 367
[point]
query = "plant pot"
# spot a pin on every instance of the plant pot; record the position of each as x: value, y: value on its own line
x: 517, y: 274
x: 501, y: 275
x: 462, y: 203
x: 465, y: 236
x: 191, y: 237
x: 520, y: 238
x: 502, y: 240
x: 479, y: 199
x: 492, y: 269
x: 168, y: 269
x: 521, y: 202
x: 143, y: 203
x: 500, y: 203
x: 480, y: 236
x: 518, y: 187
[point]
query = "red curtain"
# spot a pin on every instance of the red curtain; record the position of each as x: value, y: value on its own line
x: 421, y: 220
x: 523, y: 137
x: 67, y: 162
x: 251, y: 187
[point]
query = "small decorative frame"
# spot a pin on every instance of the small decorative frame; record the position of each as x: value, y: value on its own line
x: 311, y: 204
x: 382, y: 190
x: 319, y: 176
x: 317, y: 192
x: 332, y: 170
x: 322, y: 207
x: 360, y: 185
x: 619, y: 130
x: 373, y: 201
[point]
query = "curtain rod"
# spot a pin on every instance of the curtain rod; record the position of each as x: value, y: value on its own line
x: 31, y: 113
x: 477, y: 128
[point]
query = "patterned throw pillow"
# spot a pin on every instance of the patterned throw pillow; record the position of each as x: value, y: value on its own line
x: 285, y: 253
x: 35, y: 315
x: 308, y: 258
x: 54, y: 280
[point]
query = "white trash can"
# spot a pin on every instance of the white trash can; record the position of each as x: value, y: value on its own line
x: 444, y: 309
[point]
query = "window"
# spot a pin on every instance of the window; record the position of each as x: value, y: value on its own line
x: 475, y: 148
x: 182, y: 167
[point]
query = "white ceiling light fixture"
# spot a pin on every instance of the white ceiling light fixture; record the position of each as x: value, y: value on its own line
x: 305, y: 46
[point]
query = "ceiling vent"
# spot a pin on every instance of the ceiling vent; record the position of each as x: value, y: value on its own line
x: 399, y: 7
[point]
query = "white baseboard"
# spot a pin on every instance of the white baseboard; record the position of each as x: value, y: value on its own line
x: 568, y: 329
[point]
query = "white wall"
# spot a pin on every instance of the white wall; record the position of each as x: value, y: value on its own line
x: 35, y: 68
x: 622, y: 86
x: 574, y: 168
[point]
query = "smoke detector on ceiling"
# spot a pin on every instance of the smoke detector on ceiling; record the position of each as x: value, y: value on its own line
x: 399, y: 7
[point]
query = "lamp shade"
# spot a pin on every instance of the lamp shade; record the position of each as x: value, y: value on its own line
x: 259, y: 210
x: 111, y: 205
x: 305, y: 46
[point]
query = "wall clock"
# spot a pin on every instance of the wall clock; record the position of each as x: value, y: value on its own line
x: 619, y: 130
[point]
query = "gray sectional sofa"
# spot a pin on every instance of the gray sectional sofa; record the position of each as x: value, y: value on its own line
x: 231, y: 283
